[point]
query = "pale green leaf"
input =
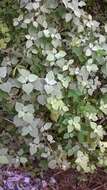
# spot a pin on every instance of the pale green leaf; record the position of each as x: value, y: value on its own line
x: 60, y: 54
x: 41, y: 99
x: 28, y: 108
x: 29, y: 44
x: 32, y: 78
x: 51, y: 57
x: 25, y: 73
x: 28, y: 117
x: 22, y: 79
x: 33, y: 149
x: 50, y: 78
x: 23, y: 160
x: 70, y: 128
x: 28, y: 88
x: 6, y: 87
x: 3, y: 72
x: 19, y: 106
x: 4, y: 159
x: 52, y: 164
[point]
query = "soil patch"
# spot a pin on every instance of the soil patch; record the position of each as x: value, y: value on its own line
x: 12, y: 179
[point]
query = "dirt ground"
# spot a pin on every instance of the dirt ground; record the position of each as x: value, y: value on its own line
x: 18, y: 179
x: 72, y: 180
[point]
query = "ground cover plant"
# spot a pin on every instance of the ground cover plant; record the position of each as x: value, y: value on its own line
x: 53, y: 85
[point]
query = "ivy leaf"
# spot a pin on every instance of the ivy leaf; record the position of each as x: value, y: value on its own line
x: 37, y: 140
x: 28, y: 117
x: 88, y: 108
x: 65, y: 2
x: 20, y: 114
x: 26, y: 130
x: 35, y: 5
x: 25, y: 73
x: 79, y: 53
x: 66, y: 136
x: 2, y: 44
x: 19, y: 106
x: 50, y: 138
x: 34, y: 132
x: 19, y: 122
x: 22, y: 79
x: 41, y: 99
x: 3, y: 95
x: 68, y: 17
x: 75, y: 94
x: 51, y: 57
x: 28, y: 108
x: 33, y: 149
x: 47, y: 126
x: 104, y: 69
x: 3, y: 151
x: 23, y: 160
x: 27, y: 88
x: 50, y: 79
x: 51, y: 4
x: 52, y: 164
x: 49, y: 89
x: 39, y: 84
x: 82, y: 136
x: 3, y: 72
x: 70, y: 153
x: 6, y: 87
x: 29, y: 44
x: 54, y: 116
x: 23, y: 3
x: 32, y: 78
x: 4, y: 159
x: 82, y: 4
x: 46, y: 33
x: 70, y: 128
x: 29, y: 6
x: 88, y: 52
x: 60, y: 54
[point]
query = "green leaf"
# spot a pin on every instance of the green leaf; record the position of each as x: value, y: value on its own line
x: 2, y: 44
x: 75, y: 94
x: 82, y: 136
x: 43, y: 164
x: 66, y: 136
x: 70, y: 152
x: 3, y: 95
x: 79, y: 53
x: 89, y: 108
x: 60, y: 11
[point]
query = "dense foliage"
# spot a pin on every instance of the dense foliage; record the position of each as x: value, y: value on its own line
x: 53, y: 84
